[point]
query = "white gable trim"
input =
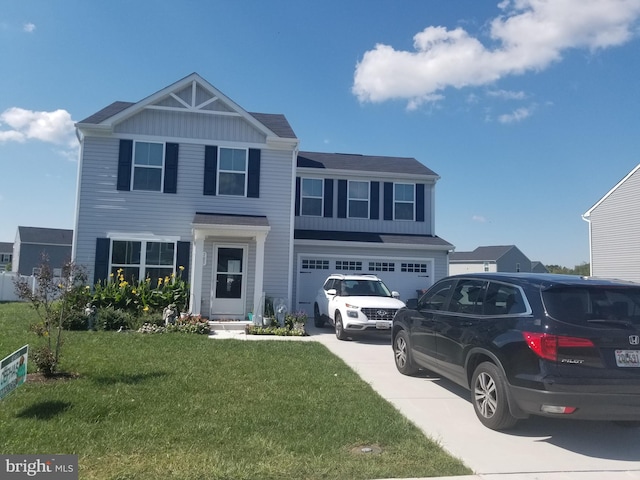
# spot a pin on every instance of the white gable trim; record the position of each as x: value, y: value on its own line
x: 194, y: 80
x: 587, y: 214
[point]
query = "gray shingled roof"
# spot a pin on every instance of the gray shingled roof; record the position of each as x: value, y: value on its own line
x: 369, y: 237
x: 275, y: 122
x: 370, y: 163
x: 6, y: 247
x: 202, y: 218
x: 481, y: 254
x: 48, y: 236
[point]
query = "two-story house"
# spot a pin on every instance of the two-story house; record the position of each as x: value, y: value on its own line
x: 35, y: 245
x: 492, y: 258
x: 614, y: 230
x: 186, y: 181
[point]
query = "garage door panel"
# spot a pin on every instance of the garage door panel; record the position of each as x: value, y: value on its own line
x: 405, y: 276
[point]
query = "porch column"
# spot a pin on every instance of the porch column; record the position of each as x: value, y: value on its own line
x: 259, y: 280
x: 197, y: 260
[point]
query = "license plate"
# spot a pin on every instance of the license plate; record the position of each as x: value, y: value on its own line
x: 628, y: 358
x: 383, y: 325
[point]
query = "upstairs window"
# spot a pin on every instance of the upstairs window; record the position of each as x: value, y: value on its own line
x: 358, y: 200
x: 404, y: 201
x: 311, y: 197
x: 148, y: 160
x: 232, y: 172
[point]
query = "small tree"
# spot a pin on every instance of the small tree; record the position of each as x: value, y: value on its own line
x: 52, y: 298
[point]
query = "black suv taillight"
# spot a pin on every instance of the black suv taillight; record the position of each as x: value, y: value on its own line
x: 546, y: 345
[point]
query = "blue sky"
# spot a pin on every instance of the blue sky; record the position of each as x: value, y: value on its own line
x: 529, y: 110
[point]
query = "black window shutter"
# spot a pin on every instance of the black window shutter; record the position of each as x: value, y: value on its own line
x: 374, y: 208
x: 328, y: 197
x: 101, y: 265
x: 183, y: 253
x: 171, y: 168
x: 298, y: 196
x: 388, y: 201
x: 253, y: 182
x: 342, y: 199
x: 210, y: 169
x: 420, y: 202
x: 125, y: 157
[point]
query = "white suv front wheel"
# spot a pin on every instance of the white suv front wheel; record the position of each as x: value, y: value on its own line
x: 340, y: 334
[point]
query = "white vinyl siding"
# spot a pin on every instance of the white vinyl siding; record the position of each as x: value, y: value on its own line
x: 104, y: 209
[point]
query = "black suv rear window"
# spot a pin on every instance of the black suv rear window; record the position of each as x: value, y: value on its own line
x: 593, y: 305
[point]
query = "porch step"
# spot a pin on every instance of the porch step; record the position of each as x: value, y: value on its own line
x: 228, y: 325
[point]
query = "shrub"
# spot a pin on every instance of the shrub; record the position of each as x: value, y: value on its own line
x: 186, y: 324
x: 45, y: 360
x: 111, y: 318
x: 144, y: 296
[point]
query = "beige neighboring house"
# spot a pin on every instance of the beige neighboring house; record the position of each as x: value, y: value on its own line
x: 497, y: 258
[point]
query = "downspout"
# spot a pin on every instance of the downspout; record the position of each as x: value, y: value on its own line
x: 292, y: 274
x: 587, y: 218
x: 74, y: 241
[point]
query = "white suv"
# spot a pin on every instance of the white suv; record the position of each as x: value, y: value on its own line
x: 355, y: 304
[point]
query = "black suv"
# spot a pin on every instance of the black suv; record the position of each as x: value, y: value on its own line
x: 529, y: 344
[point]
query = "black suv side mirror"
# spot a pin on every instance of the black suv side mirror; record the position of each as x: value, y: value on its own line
x: 412, y: 303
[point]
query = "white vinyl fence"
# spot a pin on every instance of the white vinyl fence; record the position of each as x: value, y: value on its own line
x: 8, y: 288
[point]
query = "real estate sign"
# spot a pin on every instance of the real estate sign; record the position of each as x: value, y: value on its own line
x: 13, y: 371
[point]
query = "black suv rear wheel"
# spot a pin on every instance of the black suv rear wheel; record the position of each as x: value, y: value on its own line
x: 489, y: 397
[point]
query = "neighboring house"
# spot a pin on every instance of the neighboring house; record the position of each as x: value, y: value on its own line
x: 188, y: 178
x: 614, y: 230
x: 500, y: 258
x: 34, y: 244
x: 538, y: 267
x: 6, y: 254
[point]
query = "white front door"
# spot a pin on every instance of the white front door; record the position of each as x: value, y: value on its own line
x: 229, y: 280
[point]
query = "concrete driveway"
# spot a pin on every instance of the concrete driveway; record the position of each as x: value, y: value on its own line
x: 537, y: 448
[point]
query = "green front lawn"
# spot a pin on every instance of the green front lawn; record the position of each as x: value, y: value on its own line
x: 182, y: 406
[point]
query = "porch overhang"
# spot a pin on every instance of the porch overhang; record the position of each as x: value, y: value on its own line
x: 225, y: 225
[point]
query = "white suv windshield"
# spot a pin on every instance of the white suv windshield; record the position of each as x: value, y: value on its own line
x: 367, y: 288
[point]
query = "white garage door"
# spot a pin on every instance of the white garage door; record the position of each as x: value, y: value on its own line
x: 404, y: 275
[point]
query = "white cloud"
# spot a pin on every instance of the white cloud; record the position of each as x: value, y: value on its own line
x: 28, y: 27
x: 53, y: 127
x: 529, y: 35
x: 507, y: 94
x: 516, y: 116
x: 57, y: 127
x: 479, y: 219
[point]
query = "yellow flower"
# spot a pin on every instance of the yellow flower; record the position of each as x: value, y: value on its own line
x: 180, y: 268
x: 160, y: 281
x: 87, y: 287
x: 147, y: 279
x: 120, y: 271
x: 111, y: 274
x: 146, y: 309
x: 134, y: 291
